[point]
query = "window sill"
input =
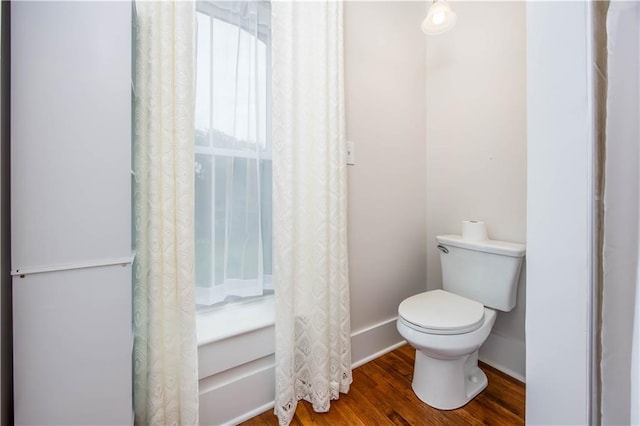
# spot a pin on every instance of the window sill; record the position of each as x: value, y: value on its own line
x: 235, y: 319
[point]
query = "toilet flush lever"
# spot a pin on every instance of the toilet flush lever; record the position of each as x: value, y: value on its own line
x: 443, y: 249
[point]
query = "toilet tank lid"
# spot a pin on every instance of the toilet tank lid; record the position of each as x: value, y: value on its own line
x: 504, y: 248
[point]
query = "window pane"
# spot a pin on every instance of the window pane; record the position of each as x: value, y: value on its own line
x: 203, y: 80
x: 266, y: 185
x: 237, y: 216
x: 262, y: 94
x: 225, y: 51
x: 239, y: 95
x: 203, y: 215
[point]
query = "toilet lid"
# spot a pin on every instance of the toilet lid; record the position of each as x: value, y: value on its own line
x: 441, y: 312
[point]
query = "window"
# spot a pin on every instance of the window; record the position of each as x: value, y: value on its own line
x: 233, y: 152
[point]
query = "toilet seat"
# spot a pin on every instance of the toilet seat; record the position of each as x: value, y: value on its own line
x: 441, y: 312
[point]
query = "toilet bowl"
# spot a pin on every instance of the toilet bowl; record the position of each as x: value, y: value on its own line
x: 446, y: 374
x: 448, y: 326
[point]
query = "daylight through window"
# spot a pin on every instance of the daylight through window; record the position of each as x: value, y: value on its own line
x: 233, y: 152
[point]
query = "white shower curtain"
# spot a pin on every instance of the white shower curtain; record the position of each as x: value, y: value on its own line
x: 165, y: 348
x: 313, y: 353
x: 619, y: 365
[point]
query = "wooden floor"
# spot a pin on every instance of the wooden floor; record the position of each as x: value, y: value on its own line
x: 381, y: 394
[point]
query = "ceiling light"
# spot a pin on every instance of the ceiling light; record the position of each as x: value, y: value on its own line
x: 439, y: 19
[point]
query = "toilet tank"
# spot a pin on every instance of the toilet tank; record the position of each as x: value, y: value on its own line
x: 485, y: 271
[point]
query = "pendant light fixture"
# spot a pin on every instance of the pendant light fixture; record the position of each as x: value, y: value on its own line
x: 440, y: 18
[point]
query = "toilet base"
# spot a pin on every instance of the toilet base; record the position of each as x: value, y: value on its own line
x: 447, y: 384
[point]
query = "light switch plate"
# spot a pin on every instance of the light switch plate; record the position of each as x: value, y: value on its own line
x: 351, y: 152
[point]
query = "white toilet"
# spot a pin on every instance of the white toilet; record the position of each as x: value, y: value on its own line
x: 448, y: 326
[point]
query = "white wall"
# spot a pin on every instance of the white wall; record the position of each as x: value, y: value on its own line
x: 476, y: 146
x: 384, y: 84
x: 560, y: 146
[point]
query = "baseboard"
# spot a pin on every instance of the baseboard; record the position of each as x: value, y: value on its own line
x: 255, y: 379
x: 374, y: 341
x: 251, y: 414
x: 237, y: 398
x: 505, y: 354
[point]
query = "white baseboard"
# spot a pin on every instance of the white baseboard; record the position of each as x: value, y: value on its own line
x: 256, y: 379
x: 374, y: 341
x: 237, y: 398
x: 505, y: 354
x: 378, y: 354
x: 251, y: 414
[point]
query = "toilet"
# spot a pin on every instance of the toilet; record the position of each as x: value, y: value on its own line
x: 448, y: 326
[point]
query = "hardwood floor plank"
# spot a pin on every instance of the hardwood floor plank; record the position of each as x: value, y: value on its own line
x: 381, y: 394
x: 398, y: 394
x: 510, y: 394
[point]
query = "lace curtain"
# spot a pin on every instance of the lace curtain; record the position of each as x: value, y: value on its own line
x: 313, y: 353
x: 165, y: 348
x: 233, y: 152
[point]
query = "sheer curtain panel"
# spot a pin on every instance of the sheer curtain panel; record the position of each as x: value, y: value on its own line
x: 233, y: 152
x: 165, y: 348
x: 313, y: 352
